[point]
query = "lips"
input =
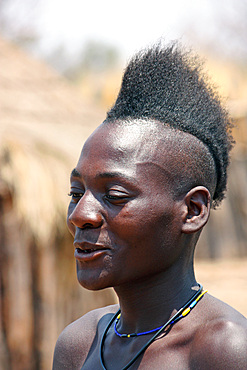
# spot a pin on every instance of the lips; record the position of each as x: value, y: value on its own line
x: 87, y: 251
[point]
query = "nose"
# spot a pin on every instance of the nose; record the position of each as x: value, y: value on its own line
x: 86, y: 213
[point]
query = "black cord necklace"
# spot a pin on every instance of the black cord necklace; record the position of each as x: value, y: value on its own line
x: 181, y: 313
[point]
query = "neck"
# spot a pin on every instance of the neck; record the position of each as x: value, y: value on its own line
x: 149, y: 303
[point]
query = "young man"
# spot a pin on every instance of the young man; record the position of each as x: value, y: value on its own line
x: 141, y: 194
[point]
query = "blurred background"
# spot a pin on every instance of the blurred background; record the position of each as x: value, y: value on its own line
x: 61, y: 64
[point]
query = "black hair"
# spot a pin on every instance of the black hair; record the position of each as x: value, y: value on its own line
x: 166, y: 84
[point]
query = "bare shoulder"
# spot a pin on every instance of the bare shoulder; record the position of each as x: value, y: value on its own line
x: 76, y: 339
x: 221, y: 342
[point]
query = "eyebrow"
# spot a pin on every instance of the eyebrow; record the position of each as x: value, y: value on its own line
x: 75, y: 173
x: 111, y: 175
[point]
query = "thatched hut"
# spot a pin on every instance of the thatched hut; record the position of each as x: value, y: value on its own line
x: 43, y: 124
x: 226, y: 233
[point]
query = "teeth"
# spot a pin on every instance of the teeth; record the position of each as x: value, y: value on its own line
x: 86, y: 251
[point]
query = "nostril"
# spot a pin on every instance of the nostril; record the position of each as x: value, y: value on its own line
x: 83, y: 219
x: 87, y: 225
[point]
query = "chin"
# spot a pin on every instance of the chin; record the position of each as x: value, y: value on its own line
x: 92, y: 281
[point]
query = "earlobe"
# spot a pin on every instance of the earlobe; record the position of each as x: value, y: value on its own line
x: 197, y: 209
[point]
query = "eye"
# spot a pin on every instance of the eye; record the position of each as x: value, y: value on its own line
x: 75, y: 196
x: 116, y: 196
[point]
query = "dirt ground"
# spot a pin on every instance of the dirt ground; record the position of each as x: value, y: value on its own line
x: 226, y: 280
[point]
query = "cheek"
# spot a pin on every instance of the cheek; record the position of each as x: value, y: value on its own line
x: 144, y: 224
x: 145, y: 244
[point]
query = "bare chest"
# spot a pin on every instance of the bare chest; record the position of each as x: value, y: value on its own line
x: 164, y: 353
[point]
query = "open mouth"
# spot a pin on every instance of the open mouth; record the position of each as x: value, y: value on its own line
x: 85, y: 251
x: 91, y: 253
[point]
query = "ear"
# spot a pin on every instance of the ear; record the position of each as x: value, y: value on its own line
x: 197, y: 209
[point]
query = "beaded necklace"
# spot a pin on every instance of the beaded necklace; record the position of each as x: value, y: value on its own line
x: 182, y: 312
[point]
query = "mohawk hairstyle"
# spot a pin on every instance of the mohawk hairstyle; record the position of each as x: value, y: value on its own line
x: 165, y: 84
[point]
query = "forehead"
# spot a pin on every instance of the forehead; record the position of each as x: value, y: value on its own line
x: 148, y: 152
x: 140, y: 142
x: 143, y: 152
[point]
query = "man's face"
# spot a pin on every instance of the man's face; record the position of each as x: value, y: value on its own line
x: 123, y: 217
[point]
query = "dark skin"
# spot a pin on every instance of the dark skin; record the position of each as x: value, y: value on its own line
x: 133, y: 233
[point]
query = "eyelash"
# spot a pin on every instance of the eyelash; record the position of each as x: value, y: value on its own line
x: 114, y: 197
x: 77, y: 196
x: 74, y: 195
